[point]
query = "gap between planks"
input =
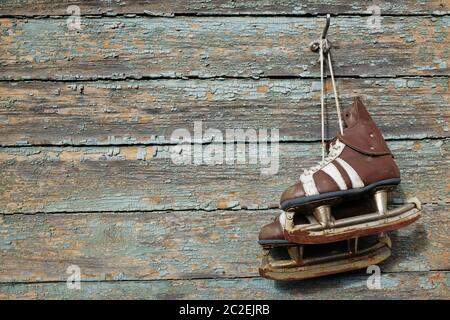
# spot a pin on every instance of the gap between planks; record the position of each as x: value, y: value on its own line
x: 172, y: 15
x: 144, y: 211
x: 168, y: 144
x: 225, y: 77
x: 356, y: 273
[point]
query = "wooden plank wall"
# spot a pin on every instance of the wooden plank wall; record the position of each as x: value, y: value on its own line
x: 86, y: 175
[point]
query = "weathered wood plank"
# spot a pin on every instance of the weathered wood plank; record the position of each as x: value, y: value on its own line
x: 413, y: 285
x: 54, y: 179
x: 176, y: 245
x: 218, y: 7
x: 212, y: 46
x: 142, y: 112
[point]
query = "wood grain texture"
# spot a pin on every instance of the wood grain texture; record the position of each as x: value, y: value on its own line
x: 143, y: 112
x: 408, y: 285
x: 68, y: 179
x: 86, y: 175
x: 218, y: 7
x: 176, y: 245
x: 214, y: 47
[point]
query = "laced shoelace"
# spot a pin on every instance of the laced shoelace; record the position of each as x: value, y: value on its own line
x: 332, y: 154
x: 324, y: 49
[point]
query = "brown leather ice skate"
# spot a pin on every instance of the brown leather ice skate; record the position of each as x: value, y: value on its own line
x: 336, y: 217
x: 359, y: 163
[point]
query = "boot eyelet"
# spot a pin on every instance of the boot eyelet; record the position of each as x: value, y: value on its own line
x: 371, y: 135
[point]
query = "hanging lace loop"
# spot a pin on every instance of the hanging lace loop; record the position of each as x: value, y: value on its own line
x: 324, y: 47
x: 332, y: 154
x: 336, y: 97
x: 322, y: 97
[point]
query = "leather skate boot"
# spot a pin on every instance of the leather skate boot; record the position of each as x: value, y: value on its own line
x: 359, y: 161
x: 273, y: 232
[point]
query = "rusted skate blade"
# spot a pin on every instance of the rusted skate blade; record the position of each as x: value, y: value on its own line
x: 310, y: 261
x: 349, y: 220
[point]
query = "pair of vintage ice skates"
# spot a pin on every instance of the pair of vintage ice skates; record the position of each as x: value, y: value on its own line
x: 336, y: 217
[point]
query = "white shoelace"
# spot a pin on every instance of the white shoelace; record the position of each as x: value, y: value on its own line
x: 324, y: 45
x: 334, y: 152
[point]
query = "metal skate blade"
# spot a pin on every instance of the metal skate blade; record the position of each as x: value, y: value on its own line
x: 374, y: 255
x: 355, y: 226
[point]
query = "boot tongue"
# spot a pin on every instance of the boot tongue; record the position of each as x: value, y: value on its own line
x: 361, y: 133
x: 350, y: 114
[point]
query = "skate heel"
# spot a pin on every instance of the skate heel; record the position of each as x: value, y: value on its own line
x: 381, y: 198
x: 352, y: 245
x: 323, y: 216
x: 383, y: 238
x: 296, y: 254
